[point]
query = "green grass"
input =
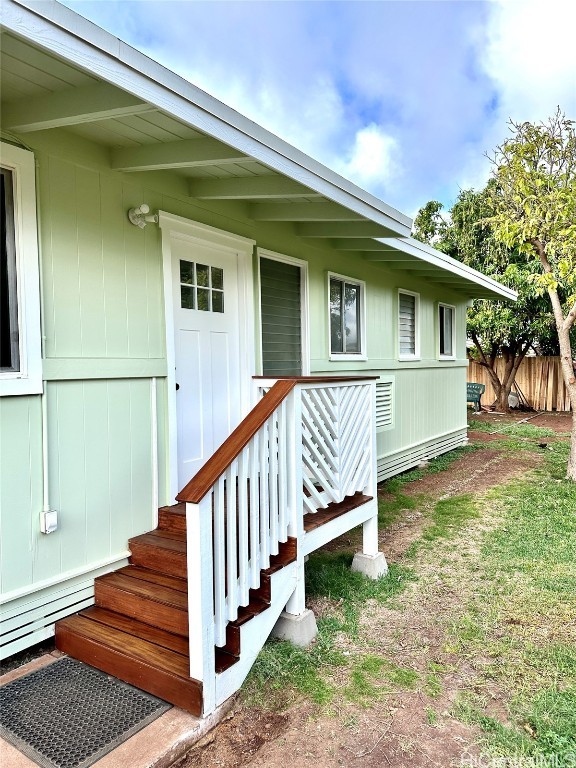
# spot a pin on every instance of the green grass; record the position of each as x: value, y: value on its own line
x: 450, y: 516
x: 283, y: 671
x: 515, y: 429
x: 521, y: 621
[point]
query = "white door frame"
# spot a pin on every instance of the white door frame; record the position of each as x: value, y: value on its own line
x: 264, y: 253
x: 202, y: 234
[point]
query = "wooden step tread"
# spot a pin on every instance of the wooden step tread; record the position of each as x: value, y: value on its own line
x: 160, y: 637
x: 154, y: 577
x: 148, y: 666
x: 154, y: 592
x: 137, y: 648
x: 172, y: 518
x: 174, y: 509
x: 314, y: 520
x: 224, y: 660
x: 171, y: 540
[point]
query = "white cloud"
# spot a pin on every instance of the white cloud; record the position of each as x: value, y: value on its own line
x: 373, y: 160
x: 531, y: 57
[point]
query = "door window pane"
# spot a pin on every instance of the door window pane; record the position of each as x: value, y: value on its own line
x: 202, y: 275
x: 201, y: 287
x: 187, y: 297
x: 203, y: 299
x: 217, y: 278
x: 217, y: 301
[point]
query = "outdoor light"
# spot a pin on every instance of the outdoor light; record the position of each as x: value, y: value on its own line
x: 141, y: 216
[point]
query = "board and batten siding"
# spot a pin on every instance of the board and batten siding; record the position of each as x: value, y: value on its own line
x: 281, y: 318
x: 104, y: 363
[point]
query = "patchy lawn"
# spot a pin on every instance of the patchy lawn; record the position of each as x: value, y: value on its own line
x: 467, y: 648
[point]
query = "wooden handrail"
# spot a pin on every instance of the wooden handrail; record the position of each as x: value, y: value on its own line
x: 204, y: 479
x: 318, y: 379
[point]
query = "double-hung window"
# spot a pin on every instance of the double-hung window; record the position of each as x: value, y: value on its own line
x: 408, y: 325
x: 346, y: 308
x: 446, y: 331
x: 20, y: 353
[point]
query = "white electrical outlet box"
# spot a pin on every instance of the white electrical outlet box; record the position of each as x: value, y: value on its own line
x: 49, y: 521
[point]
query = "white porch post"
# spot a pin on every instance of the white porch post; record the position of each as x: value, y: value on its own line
x: 370, y: 561
x: 296, y: 623
x: 200, y: 598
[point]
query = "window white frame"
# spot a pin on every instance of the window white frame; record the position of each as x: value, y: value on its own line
x: 263, y: 253
x: 28, y: 379
x: 452, y: 308
x: 348, y: 356
x: 416, y: 354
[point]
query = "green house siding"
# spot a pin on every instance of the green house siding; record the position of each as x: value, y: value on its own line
x: 104, y: 366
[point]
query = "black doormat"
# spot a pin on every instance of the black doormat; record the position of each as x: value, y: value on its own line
x: 69, y: 715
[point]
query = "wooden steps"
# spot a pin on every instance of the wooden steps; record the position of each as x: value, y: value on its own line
x: 138, y: 627
x: 133, y: 654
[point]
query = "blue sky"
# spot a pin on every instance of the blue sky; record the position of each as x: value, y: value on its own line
x: 404, y: 97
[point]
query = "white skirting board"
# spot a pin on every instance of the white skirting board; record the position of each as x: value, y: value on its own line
x: 30, y: 619
x: 408, y: 458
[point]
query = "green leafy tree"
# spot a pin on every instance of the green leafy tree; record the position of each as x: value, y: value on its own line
x: 533, y: 201
x: 499, y: 329
x: 429, y: 225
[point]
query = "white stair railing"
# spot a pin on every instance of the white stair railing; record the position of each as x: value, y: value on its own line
x: 305, y: 445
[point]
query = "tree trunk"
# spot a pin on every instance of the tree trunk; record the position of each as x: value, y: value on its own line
x: 563, y: 326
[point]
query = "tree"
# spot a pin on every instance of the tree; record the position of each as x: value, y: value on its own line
x: 533, y: 200
x: 429, y: 226
x: 499, y: 329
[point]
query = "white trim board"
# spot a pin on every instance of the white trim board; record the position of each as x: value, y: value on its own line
x: 243, y: 247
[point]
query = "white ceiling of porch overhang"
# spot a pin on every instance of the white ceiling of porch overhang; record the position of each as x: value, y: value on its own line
x: 48, y: 81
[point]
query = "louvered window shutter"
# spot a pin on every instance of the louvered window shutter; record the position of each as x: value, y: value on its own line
x: 407, y: 324
x: 280, y: 292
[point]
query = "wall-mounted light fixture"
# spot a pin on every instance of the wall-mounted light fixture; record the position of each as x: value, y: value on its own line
x: 141, y: 216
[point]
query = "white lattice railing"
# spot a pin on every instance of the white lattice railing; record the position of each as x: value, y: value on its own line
x: 306, y: 444
x: 336, y: 442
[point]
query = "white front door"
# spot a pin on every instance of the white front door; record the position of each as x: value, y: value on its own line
x: 207, y: 350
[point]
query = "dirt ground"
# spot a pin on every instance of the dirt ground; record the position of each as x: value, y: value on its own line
x: 407, y: 728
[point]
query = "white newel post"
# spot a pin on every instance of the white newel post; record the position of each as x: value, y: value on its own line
x: 370, y: 561
x: 200, y: 598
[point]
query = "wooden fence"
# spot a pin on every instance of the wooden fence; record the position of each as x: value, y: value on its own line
x: 539, y: 379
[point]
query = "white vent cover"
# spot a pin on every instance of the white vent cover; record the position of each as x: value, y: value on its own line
x: 384, y: 404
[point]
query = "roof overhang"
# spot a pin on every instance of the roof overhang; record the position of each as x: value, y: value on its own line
x: 408, y: 254
x: 220, y: 154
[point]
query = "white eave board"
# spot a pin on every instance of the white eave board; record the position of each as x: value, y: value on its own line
x: 441, y: 260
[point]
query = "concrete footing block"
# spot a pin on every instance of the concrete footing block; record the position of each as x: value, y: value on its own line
x: 372, y: 566
x: 300, y: 629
